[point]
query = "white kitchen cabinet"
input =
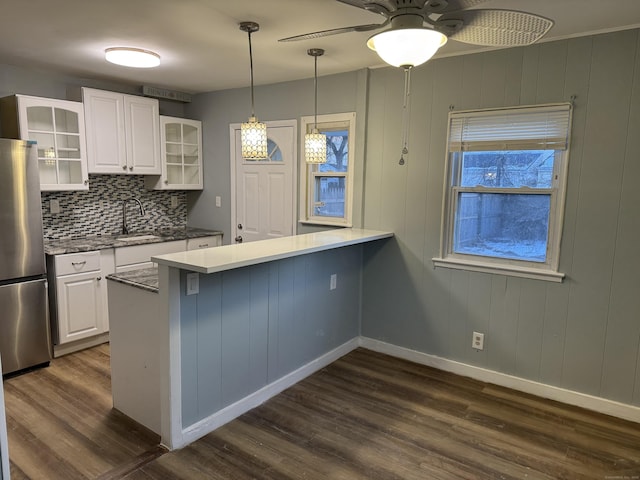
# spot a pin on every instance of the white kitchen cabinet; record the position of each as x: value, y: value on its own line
x: 204, y: 242
x: 122, y: 133
x: 181, y: 155
x: 58, y: 127
x: 80, y: 295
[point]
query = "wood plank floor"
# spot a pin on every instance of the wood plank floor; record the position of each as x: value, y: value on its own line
x: 61, y: 424
x: 370, y: 416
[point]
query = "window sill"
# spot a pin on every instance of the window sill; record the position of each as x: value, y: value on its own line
x: 327, y: 223
x: 511, y: 270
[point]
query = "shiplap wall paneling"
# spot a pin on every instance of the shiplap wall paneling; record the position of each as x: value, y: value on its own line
x: 610, y: 81
x: 580, y: 334
x: 622, y: 353
x: 576, y: 83
x: 251, y: 326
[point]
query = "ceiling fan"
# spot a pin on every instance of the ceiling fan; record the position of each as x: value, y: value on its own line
x: 417, y: 28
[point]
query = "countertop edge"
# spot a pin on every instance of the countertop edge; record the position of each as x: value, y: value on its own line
x: 229, y: 257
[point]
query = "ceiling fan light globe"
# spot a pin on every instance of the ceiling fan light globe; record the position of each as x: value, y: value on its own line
x: 406, y: 47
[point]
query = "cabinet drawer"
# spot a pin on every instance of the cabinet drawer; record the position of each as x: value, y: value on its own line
x: 203, y: 242
x: 77, y: 263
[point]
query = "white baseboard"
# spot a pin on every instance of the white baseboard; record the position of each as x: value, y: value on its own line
x: 598, y: 404
x: 209, y: 424
x: 67, y: 348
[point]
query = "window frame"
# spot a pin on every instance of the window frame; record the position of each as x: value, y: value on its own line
x: 309, y: 172
x: 547, y: 270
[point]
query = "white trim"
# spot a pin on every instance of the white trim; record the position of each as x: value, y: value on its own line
x: 83, y: 343
x: 169, y: 358
x: 232, y: 169
x: 209, y: 424
x: 506, y: 269
x: 570, y: 397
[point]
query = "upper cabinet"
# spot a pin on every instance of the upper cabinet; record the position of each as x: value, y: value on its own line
x: 58, y: 128
x: 122, y: 133
x: 181, y: 153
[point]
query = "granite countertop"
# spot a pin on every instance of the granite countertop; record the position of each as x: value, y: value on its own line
x: 100, y: 242
x: 144, y: 278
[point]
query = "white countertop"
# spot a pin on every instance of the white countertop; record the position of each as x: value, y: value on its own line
x: 228, y: 257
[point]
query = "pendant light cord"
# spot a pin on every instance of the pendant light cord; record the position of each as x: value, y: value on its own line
x: 315, y: 89
x: 251, y: 71
x: 405, y: 114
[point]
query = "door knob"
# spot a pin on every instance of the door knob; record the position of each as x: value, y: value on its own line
x: 238, y: 239
x: 239, y: 226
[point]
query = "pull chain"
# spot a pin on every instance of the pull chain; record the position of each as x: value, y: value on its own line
x: 406, y: 107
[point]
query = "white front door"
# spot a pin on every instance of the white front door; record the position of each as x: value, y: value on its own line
x: 262, y: 205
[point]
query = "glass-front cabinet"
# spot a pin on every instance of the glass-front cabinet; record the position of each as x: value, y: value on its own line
x: 58, y: 128
x: 181, y: 152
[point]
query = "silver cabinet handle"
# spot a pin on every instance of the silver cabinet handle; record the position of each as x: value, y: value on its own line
x: 75, y: 264
x: 131, y: 169
x: 203, y: 245
x: 124, y: 167
x: 99, y: 278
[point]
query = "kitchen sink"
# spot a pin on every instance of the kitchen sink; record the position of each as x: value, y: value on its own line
x: 136, y: 238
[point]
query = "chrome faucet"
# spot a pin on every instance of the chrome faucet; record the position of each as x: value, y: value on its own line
x: 125, y: 228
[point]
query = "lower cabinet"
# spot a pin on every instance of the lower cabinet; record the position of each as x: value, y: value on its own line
x: 78, y: 299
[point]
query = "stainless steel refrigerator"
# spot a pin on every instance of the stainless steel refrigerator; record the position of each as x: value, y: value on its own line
x: 24, y: 324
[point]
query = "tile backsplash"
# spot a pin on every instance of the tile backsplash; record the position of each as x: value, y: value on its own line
x: 99, y: 210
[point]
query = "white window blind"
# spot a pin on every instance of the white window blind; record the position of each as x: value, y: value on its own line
x: 522, y: 128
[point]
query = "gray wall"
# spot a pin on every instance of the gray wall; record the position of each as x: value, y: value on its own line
x: 583, y: 334
x: 251, y: 326
x: 284, y: 101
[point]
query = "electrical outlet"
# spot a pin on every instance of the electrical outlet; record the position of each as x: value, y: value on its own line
x: 218, y: 201
x: 333, y: 282
x: 54, y: 207
x: 174, y: 201
x: 193, y: 283
x: 477, y: 341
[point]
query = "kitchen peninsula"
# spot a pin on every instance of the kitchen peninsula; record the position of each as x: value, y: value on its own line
x: 229, y: 327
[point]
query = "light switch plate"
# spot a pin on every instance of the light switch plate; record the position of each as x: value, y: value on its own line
x: 54, y: 207
x: 218, y: 201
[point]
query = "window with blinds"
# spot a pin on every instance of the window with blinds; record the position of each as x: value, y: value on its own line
x: 504, y: 195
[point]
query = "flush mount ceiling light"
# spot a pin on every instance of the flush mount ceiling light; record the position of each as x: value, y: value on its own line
x: 253, y: 134
x: 407, y: 43
x: 315, y: 143
x: 132, y: 57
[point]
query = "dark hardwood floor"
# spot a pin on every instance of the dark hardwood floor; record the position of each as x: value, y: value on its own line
x: 366, y: 416
x: 61, y: 424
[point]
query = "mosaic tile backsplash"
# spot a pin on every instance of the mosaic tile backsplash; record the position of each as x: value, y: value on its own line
x: 99, y: 210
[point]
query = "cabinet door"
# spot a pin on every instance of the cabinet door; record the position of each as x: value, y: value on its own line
x: 80, y: 311
x: 142, y: 135
x: 181, y: 155
x: 58, y: 127
x: 105, y: 121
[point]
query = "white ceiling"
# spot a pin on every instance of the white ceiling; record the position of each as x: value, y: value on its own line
x: 202, y: 48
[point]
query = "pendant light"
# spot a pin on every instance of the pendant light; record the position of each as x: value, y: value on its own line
x: 315, y: 143
x: 253, y: 134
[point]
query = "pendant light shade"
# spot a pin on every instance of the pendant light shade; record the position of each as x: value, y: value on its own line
x: 253, y: 134
x: 315, y: 143
x: 253, y: 138
x: 407, y: 43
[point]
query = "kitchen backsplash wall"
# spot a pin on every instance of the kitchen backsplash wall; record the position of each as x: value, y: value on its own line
x: 99, y: 210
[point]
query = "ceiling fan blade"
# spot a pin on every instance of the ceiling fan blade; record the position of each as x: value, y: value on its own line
x: 335, y: 31
x: 445, y: 6
x: 497, y: 28
x: 378, y: 6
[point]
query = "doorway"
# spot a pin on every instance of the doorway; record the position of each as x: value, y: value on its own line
x: 263, y: 193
